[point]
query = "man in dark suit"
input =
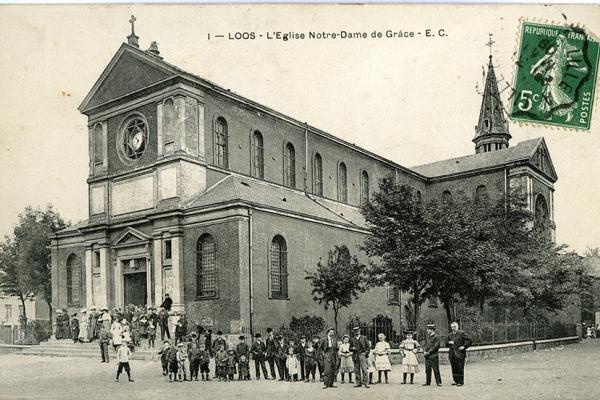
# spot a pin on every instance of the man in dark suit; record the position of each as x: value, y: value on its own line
x: 458, y: 342
x: 259, y: 352
x: 430, y: 351
x: 271, y: 345
x: 329, y: 348
x: 359, y: 346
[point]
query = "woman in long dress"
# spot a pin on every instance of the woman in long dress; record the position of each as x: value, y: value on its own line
x: 116, y: 330
x: 346, y: 364
x: 83, y: 325
x: 382, y: 359
x: 409, y: 349
x: 92, y: 321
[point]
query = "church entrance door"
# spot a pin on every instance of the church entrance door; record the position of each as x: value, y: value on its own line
x: 135, y: 288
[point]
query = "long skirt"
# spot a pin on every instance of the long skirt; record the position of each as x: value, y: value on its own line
x: 410, y: 364
x: 346, y: 365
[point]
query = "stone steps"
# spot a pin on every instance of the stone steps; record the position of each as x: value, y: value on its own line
x: 66, y: 348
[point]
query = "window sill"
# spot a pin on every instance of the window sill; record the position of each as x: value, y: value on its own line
x: 203, y: 298
x: 279, y: 297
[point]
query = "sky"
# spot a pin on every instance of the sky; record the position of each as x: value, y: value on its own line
x: 412, y: 100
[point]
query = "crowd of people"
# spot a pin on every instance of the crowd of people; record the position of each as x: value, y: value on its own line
x: 315, y: 359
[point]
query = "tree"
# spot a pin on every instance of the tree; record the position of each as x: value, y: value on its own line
x: 337, y: 283
x: 25, y: 263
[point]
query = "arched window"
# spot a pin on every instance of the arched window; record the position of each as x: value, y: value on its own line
x: 289, y: 166
x: 446, y: 197
x: 73, y: 280
x: 542, y: 218
x: 98, y: 141
x: 342, y: 183
x: 279, y: 274
x: 221, y: 143
x: 481, y: 195
x: 364, y: 187
x: 318, y: 175
x: 206, y: 267
x: 258, y: 155
x: 169, y: 119
x: 419, y: 197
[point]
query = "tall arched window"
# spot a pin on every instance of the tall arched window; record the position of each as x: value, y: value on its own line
x: 169, y: 121
x: 542, y: 218
x: 318, y: 175
x: 342, y: 183
x: 98, y: 141
x: 446, y: 197
x: 206, y: 267
x: 258, y: 155
x: 278, y: 270
x: 289, y: 167
x: 364, y: 187
x: 73, y: 280
x: 481, y: 195
x: 221, y: 143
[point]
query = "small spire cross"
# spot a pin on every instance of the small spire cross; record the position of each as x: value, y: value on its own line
x: 490, y: 43
x: 132, y: 22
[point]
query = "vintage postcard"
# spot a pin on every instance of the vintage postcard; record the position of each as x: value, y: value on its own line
x: 307, y: 201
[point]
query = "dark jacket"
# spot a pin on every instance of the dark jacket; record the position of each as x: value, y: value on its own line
x: 359, y: 346
x: 258, y: 350
x: 218, y: 343
x: 271, y: 344
x: 167, y: 303
x: 460, y: 338
x: 431, y: 346
x: 324, y: 345
x: 242, y: 349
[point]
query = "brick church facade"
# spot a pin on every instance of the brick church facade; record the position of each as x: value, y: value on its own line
x: 224, y: 203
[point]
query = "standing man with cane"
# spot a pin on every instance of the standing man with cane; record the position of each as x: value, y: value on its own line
x: 458, y: 342
x: 430, y: 351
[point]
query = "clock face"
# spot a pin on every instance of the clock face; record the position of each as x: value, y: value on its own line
x: 137, y: 140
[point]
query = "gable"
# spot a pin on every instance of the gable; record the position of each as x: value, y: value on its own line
x: 129, y: 70
x: 542, y: 161
x: 131, y: 236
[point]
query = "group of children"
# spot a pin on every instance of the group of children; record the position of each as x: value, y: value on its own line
x: 295, y: 362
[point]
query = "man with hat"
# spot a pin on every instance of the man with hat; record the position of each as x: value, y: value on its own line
x: 430, y: 351
x: 259, y: 353
x: 271, y: 344
x: 59, y: 330
x: 163, y: 322
x: 458, y: 342
x: 359, y: 346
x: 75, y: 328
x: 329, y: 348
x: 92, y: 332
x: 242, y: 349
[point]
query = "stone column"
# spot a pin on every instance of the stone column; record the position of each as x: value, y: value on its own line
x: 89, y: 294
x: 118, y: 279
x: 177, y: 268
x: 149, y: 280
x: 159, y: 127
x: 104, y: 290
x: 158, y: 277
x: 180, y: 123
x: 55, y: 283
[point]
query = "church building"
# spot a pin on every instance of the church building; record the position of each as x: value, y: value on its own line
x: 224, y: 203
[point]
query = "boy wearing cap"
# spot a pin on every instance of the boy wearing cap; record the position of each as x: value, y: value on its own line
x: 204, y: 362
x: 430, y: 351
x: 259, y: 352
x: 103, y: 340
x: 164, y: 356
x: 123, y: 354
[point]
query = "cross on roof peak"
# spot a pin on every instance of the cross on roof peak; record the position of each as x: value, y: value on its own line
x: 490, y: 43
x: 132, y: 22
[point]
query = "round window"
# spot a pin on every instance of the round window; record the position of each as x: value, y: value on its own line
x: 134, y: 138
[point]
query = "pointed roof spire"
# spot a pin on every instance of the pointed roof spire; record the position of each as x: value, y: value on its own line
x: 491, y: 132
x: 132, y: 39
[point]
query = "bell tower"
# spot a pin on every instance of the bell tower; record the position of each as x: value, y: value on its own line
x: 491, y: 132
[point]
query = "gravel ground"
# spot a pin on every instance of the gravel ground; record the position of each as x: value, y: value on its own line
x: 569, y: 372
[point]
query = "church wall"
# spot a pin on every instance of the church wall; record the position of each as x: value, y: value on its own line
x: 494, y: 182
x: 226, y: 307
x: 307, y: 242
x: 115, y: 165
x: 59, y: 293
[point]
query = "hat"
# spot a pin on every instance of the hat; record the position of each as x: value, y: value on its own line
x: 166, y: 341
x: 242, y: 337
x: 257, y: 335
x: 219, y: 332
x: 59, y: 311
x: 330, y: 329
x: 269, y: 330
x: 346, y: 336
x: 431, y: 326
x: 180, y: 344
x: 407, y: 332
x: 381, y: 336
x: 104, y: 309
x: 74, y: 314
x: 356, y: 328
x: 83, y: 310
x: 303, y: 337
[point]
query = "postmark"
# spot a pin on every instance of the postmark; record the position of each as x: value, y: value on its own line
x: 555, y: 76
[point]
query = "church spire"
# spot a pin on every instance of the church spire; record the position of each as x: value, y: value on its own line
x: 491, y: 132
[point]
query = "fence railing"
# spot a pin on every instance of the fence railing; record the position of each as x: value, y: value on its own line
x: 483, y: 333
x: 33, y: 333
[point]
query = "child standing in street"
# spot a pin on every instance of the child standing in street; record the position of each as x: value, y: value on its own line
x: 183, y: 363
x: 173, y: 364
x: 410, y: 365
x: 371, y: 364
x: 221, y: 363
x: 310, y: 361
x: 346, y: 364
x: 231, y: 364
x: 151, y: 332
x: 291, y: 366
x: 204, y: 362
x: 123, y: 354
x: 382, y: 360
x: 194, y: 356
x: 164, y: 357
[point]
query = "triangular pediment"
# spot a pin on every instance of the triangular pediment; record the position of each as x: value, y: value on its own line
x: 131, y: 236
x: 129, y: 71
x: 540, y: 159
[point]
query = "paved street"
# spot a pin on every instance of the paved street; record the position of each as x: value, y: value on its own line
x: 569, y: 372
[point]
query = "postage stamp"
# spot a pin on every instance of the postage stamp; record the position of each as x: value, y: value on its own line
x: 555, y: 79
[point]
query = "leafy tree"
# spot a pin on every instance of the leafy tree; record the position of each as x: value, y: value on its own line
x: 337, y: 283
x: 25, y: 265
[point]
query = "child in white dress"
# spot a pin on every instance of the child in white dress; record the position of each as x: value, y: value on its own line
x: 409, y: 349
x: 382, y: 359
x: 346, y: 363
x: 371, y: 364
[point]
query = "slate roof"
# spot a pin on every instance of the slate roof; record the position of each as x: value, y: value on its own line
x: 259, y: 193
x: 521, y: 152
